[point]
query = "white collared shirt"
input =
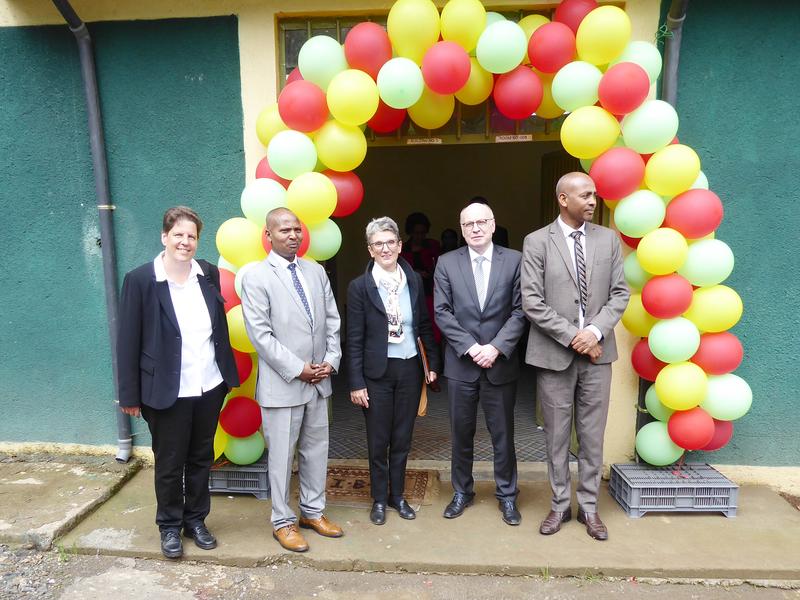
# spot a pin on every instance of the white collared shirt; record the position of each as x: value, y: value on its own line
x: 568, y: 231
x: 199, y: 370
x: 283, y: 264
x: 485, y: 266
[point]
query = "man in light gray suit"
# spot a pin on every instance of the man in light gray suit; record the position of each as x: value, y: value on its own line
x: 478, y: 309
x: 291, y: 318
x: 573, y: 293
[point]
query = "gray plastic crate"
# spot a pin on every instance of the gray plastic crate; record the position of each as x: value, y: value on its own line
x: 641, y: 488
x: 229, y: 478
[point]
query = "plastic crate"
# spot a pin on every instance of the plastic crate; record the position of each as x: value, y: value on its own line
x: 229, y: 478
x: 641, y: 488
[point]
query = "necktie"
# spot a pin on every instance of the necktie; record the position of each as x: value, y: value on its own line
x: 299, y: 289
x: 580, y: 267
x: 480, y: 280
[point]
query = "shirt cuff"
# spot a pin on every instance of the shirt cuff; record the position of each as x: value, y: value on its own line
x: 595, y: 331
x: 471, y: 348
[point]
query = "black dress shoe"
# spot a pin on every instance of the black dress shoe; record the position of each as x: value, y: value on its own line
x: 457, y: 505
x: 511, y: 516
x: 378, y: 513
x: 171, y: 545
x: 201, y: 535
x: 403, y: 507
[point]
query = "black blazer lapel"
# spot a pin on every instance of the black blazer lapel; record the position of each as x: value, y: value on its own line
x: 162, y: 291
x: 372, y: 289
x: 211, y: 296
x: 497, y: 264
x: 465, y: 265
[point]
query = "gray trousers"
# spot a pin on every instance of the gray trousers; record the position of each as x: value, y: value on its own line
x: 582, y: 390
x: 304, y: 427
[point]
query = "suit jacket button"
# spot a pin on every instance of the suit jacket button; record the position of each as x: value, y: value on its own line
x: 575, y: 321
x: 576, y: 301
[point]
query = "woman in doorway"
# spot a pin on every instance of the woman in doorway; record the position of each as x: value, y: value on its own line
x: 386, y: 314
x: 175, y: 367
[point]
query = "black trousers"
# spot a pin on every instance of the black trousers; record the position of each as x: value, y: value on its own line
x: 183, y: 447
x: 393, y: 405
x: 498, y: 410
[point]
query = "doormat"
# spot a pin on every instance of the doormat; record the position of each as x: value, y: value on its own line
x: 349, y: 486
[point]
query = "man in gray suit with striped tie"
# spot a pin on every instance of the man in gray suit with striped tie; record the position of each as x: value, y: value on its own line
x: 573, y: 293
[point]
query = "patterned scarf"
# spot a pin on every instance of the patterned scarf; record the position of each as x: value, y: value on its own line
x: 393, y: 283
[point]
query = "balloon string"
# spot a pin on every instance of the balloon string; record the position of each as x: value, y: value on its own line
x: 677, y: 472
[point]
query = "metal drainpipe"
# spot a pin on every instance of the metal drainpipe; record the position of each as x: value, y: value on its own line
x: 104, y: 207
x: 672, y: 51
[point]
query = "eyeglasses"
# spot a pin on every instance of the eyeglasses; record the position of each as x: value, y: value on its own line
x: 481, y: 223
x: 378, y: 246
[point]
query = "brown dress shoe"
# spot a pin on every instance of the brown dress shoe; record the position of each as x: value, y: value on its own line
x: 594, y: 526
x: 290, y: 538
x: 552, y: 524
x: 322, y: 526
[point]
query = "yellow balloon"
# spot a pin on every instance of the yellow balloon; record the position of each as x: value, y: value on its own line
x: 715, y: 308
x: 432, y: 110
x: 269, y: 123
x: 413, y: 27
x: 478, y: 86
x: 531, y: 23
x: 672, y: 170
x: 636, y: 319
x: 548, y: 109
x: 238, y: 333
x: 248, y: 387
x: 681, y: 386
x: 239, y: 241
x: 352, y: 97
x: 341, y: 147
x: 463, y: 21
x: 603, y: 35
x: 220, y: 440
x: 662, y: 251
x: 312, y: 197
x: 610, y: 204
x: 589, y: 131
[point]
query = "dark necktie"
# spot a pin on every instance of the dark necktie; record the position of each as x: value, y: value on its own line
x: 299, y: 289
x: 580, y: 267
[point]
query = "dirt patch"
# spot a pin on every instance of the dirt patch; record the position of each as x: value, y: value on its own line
x: 793, y: 500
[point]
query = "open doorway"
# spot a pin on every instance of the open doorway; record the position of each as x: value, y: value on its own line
x: 518, y: 182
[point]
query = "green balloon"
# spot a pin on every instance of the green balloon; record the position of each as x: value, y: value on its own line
x: 575, y: 85
x: 245, y: 451
x: 326, y: 239
x: 291, y: 153
x: 320, y: 59
x: 674, y: 340
x: 644, y: 54
x: 261, y: 196
x: 501, y: 47
x: 654, y: 445
x: 728, y: 397
x: 654, y: 406
x: 708, y: 262
x: 701, y: 183
x: 640, y: 213
x: 635, y: 275
x: 400, y: 82
x: 493, y: 17
x: 650, y: 127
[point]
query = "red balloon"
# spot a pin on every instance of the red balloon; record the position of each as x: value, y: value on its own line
x: 241, y: 417
x: 227, y: 289
x: 302, y: 106
x: 367, y: 47
x: 349, y: 192
x: 719, y: 353
x: 629, y: 241
x: 244, y: 364
x: 386, y: 118
x: 723, y: 432
x: 267, y: 245
x: 551, y: 47
x: 617, y: 173
x: 667, y: 296
x: 445, y: 67
x: 691, y: 429
x: 295, y: 75
x: 518, y: 94
x: 623, y: 88
x: 264, y: 171
x: 694, y: 213
x: 643, y: 361
x: 572, y: 12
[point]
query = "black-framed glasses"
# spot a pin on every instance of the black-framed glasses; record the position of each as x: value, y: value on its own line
x: 378, y: 246
x: 481, y: 223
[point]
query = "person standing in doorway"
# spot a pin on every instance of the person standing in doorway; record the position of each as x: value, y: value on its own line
x: 479, y: 311
x: 573, y: 293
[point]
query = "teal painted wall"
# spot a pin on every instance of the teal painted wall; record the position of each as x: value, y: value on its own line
x: 171, y: 100
x: 737, y: 99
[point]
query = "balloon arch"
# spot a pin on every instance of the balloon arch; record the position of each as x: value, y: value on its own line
x: 581, y: 63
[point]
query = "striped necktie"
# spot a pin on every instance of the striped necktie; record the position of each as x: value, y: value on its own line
x: 580, y: 267
x: 299, y: 289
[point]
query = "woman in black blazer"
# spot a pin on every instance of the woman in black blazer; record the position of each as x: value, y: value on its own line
x: 175, y: 367
x: 386, y: 313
